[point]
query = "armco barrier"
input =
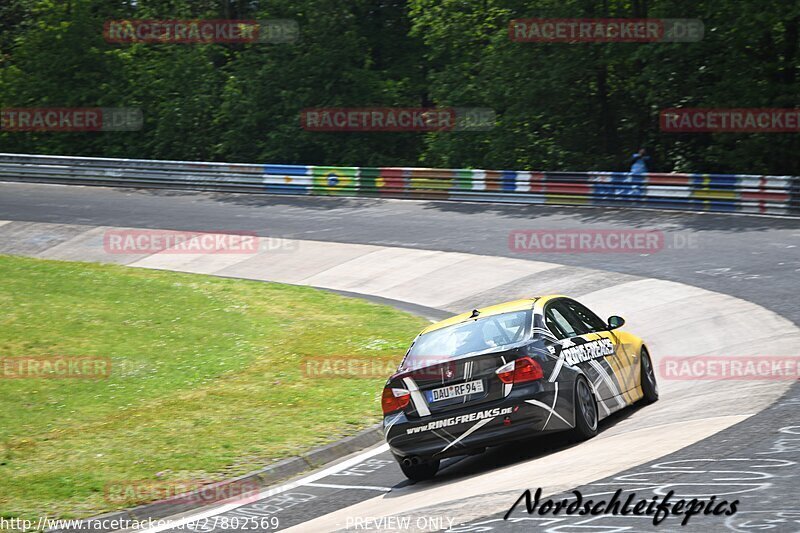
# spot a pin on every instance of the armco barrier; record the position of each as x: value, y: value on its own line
x: 696, y: 192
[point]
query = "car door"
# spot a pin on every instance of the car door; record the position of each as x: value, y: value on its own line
x: 621, y: 363
x: 583, y: 344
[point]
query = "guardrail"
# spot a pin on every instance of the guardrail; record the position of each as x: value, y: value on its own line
x: 697, y: 192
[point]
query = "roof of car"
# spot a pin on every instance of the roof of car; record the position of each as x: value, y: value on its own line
x: 506, y: 307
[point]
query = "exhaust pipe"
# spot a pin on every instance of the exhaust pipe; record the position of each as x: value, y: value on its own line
x: 410, y: 461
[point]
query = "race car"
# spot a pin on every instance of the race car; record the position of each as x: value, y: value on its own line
x: 508, y: 372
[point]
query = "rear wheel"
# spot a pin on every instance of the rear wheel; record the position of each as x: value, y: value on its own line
x: 649, y: 384
x: 420, y: 471
x: 585, y: 411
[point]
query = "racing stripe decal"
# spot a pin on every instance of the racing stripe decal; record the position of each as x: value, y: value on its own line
x: 608, y: 381
x: 597, y: 397
x: 618, y: 365
x: 467, y: 375
x: 556, y: 369
x: 468, y: 432
x: 547, y: 407
x: 450, y: 435
x: 615, y: 371
x: 545, y: 333
x: 388, y: 425
x: 435, y: 432
x: 419, y: 401
x: 552, y: 409
x: 468, y: 370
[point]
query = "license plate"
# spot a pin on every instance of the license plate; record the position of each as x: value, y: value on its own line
x: 455, y: 391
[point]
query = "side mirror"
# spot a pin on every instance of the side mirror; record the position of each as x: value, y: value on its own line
x: 615, y: 322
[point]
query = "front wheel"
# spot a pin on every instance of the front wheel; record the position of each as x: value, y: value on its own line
x: 420, y: 471
x: 585, y: 411
x: 649, y: 384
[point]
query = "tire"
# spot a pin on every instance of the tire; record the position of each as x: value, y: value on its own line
x: 419, y: 472
x: 586, y: 418
x: 648, y: 377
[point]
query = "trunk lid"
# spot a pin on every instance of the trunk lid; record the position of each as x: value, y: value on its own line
x: 445, y: 386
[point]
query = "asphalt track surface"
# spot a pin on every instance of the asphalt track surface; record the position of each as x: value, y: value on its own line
x: 752, y: 258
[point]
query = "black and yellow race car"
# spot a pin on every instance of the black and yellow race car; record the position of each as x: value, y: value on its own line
x: 507, y: 372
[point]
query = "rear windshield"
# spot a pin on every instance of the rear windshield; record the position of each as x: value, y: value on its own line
x: 478, y: 335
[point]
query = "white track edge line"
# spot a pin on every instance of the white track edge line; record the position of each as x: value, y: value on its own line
x: 269, y: 492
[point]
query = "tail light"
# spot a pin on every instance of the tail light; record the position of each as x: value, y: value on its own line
x: 519, y: 371
x: 394, y: 399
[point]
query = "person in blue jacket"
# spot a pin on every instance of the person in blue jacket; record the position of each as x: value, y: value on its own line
x: 641, y: 162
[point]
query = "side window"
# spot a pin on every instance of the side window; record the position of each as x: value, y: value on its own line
x: 558, y: 323
x: 553, y: 326
x: 590, y: 321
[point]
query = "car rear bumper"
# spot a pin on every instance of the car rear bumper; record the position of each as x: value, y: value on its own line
x: 524, y: 412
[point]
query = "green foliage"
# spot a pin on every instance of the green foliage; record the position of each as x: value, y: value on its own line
x: 559, y: 106
x: 206, y: 379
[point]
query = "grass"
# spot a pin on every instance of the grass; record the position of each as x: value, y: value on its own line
x: 206, y: 379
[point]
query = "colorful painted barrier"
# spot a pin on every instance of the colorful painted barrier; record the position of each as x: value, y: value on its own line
x: 695, y: 192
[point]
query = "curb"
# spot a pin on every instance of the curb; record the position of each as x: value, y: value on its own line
x: 234, y: 488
